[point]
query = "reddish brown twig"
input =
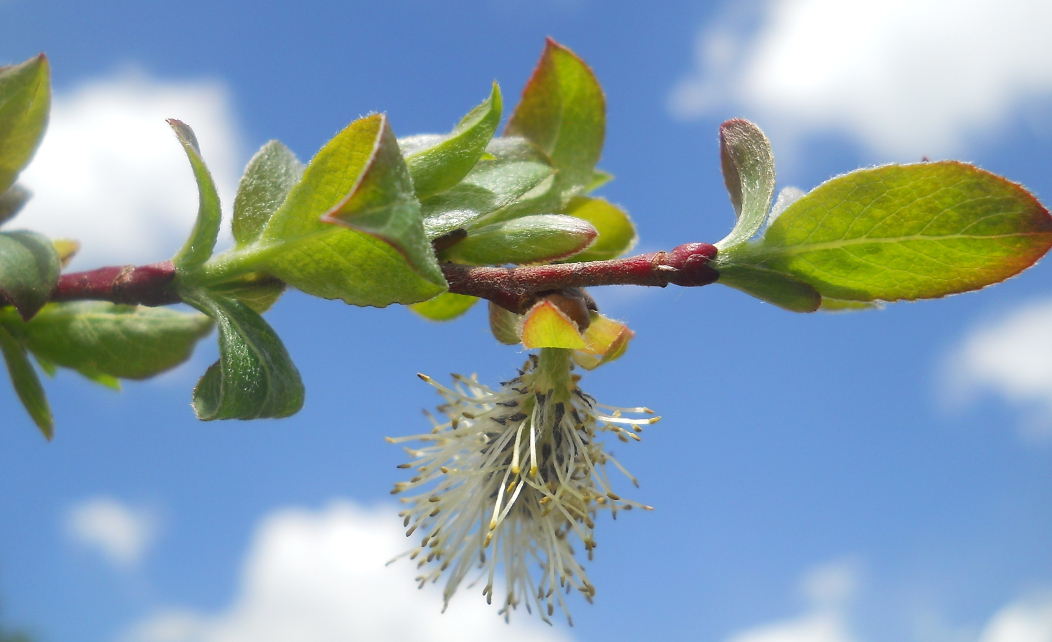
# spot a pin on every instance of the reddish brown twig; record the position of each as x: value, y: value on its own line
x: 517, y: 288
x: 127, y: 284
x: 513, y: 288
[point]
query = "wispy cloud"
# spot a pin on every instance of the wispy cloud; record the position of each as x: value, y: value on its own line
x: 121, y: 533
x: 111, y: 174
x: 321, y: 576
x: 1010, y: 357
x: 828, y: 589
x: 905, y: 77
x: 1028, y: 620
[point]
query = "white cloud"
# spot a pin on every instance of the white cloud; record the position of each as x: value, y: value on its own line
x: 1011, y: 357
x: 321, y: 576
x: 111, y: 174
x: 121, y: 533
x: 828, y: 588
x: 906, y: 77
x: 1028, y: 620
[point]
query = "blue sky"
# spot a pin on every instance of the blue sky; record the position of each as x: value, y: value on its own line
x: 816, y: 478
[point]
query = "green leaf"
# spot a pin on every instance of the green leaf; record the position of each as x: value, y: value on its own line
x: 383, y: 204
x: 529, y: 239
x: 27, y: 383
x: 515, y: 167
x: 12, y: 201
x: 903, y: 232
x: 748, y: 173
x: 505, y: 325
x: 444, y: 307
x: 773, y: 287
x: 617, y: 235
x: 563, y: 111
x: 840, y: 305
x: 50, y: 369
x: 29, y: 268
x: 268, y: 179
x: 258, y: 291
x: 25, y: 102
x: 202, y: 241
x: 335, y: 262
x: 599, y: 178
x: 100, y: 339
x: 437, y: 163
x: 254, y: 377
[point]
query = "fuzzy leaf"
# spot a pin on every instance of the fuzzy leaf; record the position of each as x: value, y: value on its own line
x: 605, y: 340
x: 599, y: 178
x: 100, y: 339
x: 440, y: 162
x: 748, y: 173
x: 27, y: 383
x: 29, y: 268
x: 382, y: 204
x: 12, y: 201
x: 332, y: 261
x: 515, y: 167
x: 444, y: 307
x: 202, y: 241
x: 268, y: 179
x: 617, y: 235
x: 66, y: 250
x: 254, y: 377
x: 529, y: 239
x: 773, y: 287
x: 904, y: 232
x: 563, y: 111
x: 25, y: 103
x: 504, y: 324
x: 258, y: 291
x: 546, y: 326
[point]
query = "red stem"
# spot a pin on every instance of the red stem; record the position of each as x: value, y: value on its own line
x: 513, y: 288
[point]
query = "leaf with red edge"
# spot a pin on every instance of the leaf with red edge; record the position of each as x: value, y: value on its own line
x: 546, y: 326
x: 902, y: 232
x: 563, y: 111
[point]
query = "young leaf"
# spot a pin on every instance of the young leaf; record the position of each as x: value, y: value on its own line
x: 617, y: 235
x: 382, y: 204
x: 605, y: 340
x: 98, y: 339
x: 437, y: 164
x: 66, y: 250
x: 202, y: 241
x: 773, y: 287
x: 546, y: 326
x: 444, y: 307
x: 904, y: 232
x: 25, y: 102
x: 27, y: 383
x: 529, y: 239
x: 332, y: 261
x: 599, y: 178
x: 268, y: 179
x: 258, y: 291
x: 254, y: 377
x: 748, y: 173
x: 515, y: 167
x: 563, y: 111
x: 29, y: 268
x: 504, y: 325
x: 12, y: 201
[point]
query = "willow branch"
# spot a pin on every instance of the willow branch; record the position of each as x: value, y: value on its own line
x: 517, y: 289
x: 513, y: 288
